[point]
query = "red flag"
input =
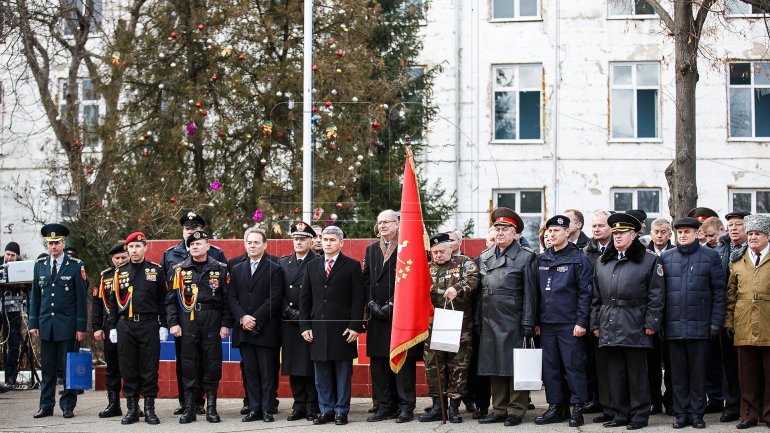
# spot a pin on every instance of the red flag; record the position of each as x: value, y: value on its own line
x: 412, y: 308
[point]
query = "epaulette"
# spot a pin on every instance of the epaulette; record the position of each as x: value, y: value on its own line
x: 75, y: 259
x: 170, y: 248
x: 650, y: 252
x: 107, y: 271
x: 215, y: 247
x: 178, y: 265
x: 220, y: 263
x: 41, y: 260
x: 527, y: 249
x: 152, y: 263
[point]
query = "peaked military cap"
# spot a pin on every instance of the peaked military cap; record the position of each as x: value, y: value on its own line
x: 192, y: 219
x: 638, y: 214
x: 558, y: 221
x: 196, y: 236
x: 702, y: 213
x: 623, y: 222
x: 302, y: 230
x: 503, y: 216
x: 54, y: 232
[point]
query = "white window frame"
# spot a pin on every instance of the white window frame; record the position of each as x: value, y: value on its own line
x: 752, y: 191
x: 632, y: 16
x: 729, y: 4
x: 516, y: 12
x: 68, y: 207
x: 82, y: 105
x: 635, y: 201
x: 540, y: 215
x: 518, y: 89
x: 633, y: 86
x: 751, y: 86
x: 96, y: 20
x: 420, y: 4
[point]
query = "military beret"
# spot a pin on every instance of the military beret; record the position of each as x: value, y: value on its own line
x: 757, y: 223
x: 737, y: 214
x: 557, y: 220
x: 623, y: 222
x: 639, y: 214
x: 136, y: 237
x: 119, y: 247
x: 198, y: 235
x: 301, y: 230
x: 439, y: 238
x: 687, y: 222
x: 702, y: 213
x: 503, y: 216
x: 54, y: 232
x: 192, y: 219
x: 13, y: 246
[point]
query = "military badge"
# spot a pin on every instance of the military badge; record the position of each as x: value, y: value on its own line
x: 562, y: 269
x: 660, y: 270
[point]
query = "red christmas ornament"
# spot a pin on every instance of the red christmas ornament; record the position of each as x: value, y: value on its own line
x: 145, y: 153
x: 340, y: 53
x: 332, y: 147
x: 339, y: 205
x: 201, y: 27
x: 315, y: 68
x: 173, y: 200
x: 349, y: 138
x: 314, y: 109
x: 281, y: 215
x: 330, y: 41
x: 174, y: 34
x: 90, y: 170
x: 375, y: 124
x: 214, y: 77
x: 296, y: 210
x: 204, y: 113
x: 222, y: 134
x: 328, y: 103
x: 242, y: 57
x: 199, y: 104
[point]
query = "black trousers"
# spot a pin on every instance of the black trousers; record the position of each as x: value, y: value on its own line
x: 394, y: 391
x: 201, y: 352
x: 245, y: 385
x: 689, y: 361
x: 479, y: 388
x: 139, y: 352
x: 562, y: 350
x: 180, y: 375
x: 305, y: 394
x: 629, y: 384
x: 258, y: 362
x: 731, y: 383
x: 114, y: 381
x: 592, y: 384
x: 53, y: 357
x: 602, y: 376
x: 657, y: 355
x: 13, y: 344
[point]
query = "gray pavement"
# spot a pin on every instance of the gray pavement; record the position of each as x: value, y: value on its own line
x: 17, y: 408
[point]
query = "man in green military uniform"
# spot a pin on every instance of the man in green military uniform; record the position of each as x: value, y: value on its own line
x: 58, y: 315
x: 454, y: 278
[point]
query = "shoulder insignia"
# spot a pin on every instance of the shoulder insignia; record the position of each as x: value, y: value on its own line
x: 470, y: 265
x: 224, y: 265
x: 153, y: 263
x: 650, y: 252
x: 177, y: 266
x: 75, y: 259
x: 107, y: 271
x: 659, y: 270
x: 527, y: 249
x: 41, y: 260
x: 215, y: 247
x: 83, y: 273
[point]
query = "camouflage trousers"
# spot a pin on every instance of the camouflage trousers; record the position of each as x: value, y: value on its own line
x: 454, y: 371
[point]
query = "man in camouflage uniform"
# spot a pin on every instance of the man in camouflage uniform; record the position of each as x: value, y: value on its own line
x: 454, y: 279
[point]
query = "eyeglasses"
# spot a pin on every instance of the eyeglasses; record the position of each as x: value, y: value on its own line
x: 382, y: 223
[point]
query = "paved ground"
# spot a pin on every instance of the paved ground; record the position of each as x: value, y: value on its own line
x: 17, y: 408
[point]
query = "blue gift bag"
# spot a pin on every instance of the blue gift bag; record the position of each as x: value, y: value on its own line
x: 78, y: 374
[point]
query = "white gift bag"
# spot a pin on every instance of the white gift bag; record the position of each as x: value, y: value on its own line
x: 447, y: 327
x: 527, y: 367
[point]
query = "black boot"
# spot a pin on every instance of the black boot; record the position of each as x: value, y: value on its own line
x: 453, y: 413
x: 149, y: 411
x: 434, y: 414
x: 552, y: 415
x: 113, y: 406
x: 188, y: 415
x: 211, y: 407
x: 576, y: 418
x: 132, y: 411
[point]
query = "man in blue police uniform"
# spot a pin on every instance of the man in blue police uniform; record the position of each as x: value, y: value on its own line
x: 190, y: 222
x: 58, y: 315
x: 564, y: 312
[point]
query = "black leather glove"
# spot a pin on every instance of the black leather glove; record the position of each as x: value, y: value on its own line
x: 291, y: 313
x: 387, y: 310
x: 256, y: 330
x: 376, y: 310
x: 730, y: 333
x: 714, y: 331
x: 528, y: 331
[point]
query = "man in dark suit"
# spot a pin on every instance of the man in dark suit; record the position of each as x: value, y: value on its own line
x: 59, y: 321
x: 331, y: 310
x: 395, y: 392
x: 256, y: 288
x: 296, y: 351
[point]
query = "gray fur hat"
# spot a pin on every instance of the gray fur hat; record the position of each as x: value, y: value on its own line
x: 757, y: 223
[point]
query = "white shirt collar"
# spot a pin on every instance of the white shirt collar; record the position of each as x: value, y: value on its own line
x: 762, y: 254
x: 332, y: 258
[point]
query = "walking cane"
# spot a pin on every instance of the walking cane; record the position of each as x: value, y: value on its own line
x: 440, y: 389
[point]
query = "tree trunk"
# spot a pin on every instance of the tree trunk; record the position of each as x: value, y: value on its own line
x: 682, y: 178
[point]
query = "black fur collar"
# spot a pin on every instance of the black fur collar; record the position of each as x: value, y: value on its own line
x: 635, y: 252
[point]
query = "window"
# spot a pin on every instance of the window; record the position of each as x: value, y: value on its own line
x: 752, y: 200
x: 69, y: 208
x: 634, y: 100
x: 646, y: 199
x: 529, y: 205
x: 73, y: 10
x: 630, y: 8
x: 88, y: 112
x: 416, y: 7
x: 517, y: 102
x: 749, y: 94
x: 739, y: 8
x: 515, y: 9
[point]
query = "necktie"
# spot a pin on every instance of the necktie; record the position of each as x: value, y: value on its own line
x: 55, y: 270
x: 299, y: 262
x: 603, y: 248
x: 329, y: 263
x: 756, y: 262
x: 254, y: 267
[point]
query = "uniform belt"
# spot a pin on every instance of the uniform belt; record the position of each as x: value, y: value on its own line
x: 623, y: 303
x: 756, y: 297
x: 140, y: 317
x: 204, y: 307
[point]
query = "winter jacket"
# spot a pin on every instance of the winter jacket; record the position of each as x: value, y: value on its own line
x: 695, y: 291
x: 565, y: 278
x: 629, y: 296
x: 748, y: 301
